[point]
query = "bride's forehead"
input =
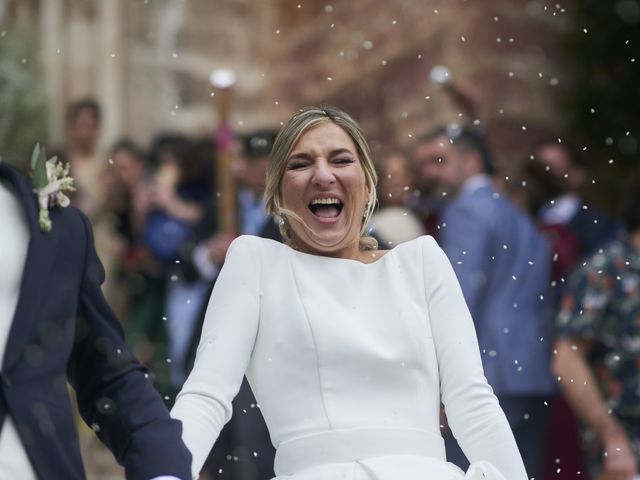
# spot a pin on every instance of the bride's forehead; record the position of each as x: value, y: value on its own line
x: 325, y: 135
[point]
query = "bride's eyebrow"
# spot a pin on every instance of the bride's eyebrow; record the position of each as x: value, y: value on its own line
x: 300, y: 156
x: 308, y: 156
x: 339, y: 151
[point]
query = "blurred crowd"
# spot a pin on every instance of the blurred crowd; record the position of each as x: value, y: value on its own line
x: 552, y: 281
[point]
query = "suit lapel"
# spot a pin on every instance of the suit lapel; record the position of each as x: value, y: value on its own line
x: 37, y: 271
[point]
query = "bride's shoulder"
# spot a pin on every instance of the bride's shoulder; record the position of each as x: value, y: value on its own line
x: 422, y: 243
x: 258, y: 245
x: 420, y: 253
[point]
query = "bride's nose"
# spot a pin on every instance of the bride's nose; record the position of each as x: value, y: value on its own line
x: 322, y: 174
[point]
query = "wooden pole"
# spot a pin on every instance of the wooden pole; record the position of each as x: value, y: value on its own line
x: 225, y: 183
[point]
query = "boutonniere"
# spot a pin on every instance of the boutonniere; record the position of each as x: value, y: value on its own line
x: 50, y: 179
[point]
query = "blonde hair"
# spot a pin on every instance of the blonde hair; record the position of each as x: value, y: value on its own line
x: 287, y: 138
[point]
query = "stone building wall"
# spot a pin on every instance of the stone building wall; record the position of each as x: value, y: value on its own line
x: 148, y: 62
x: 374, y: 59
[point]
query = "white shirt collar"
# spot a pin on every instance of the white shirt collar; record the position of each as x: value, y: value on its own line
x: 561, y: 210
x: 475, y: 182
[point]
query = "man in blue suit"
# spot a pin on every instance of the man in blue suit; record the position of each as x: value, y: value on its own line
x: 503, y: 265
x: 55, y: 327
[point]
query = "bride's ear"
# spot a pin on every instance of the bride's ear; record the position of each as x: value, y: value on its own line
x: 371, y: 198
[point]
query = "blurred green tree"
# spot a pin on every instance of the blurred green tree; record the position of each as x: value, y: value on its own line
x: 604, y: 53
x: 603, y: 105
x: 23, y: 100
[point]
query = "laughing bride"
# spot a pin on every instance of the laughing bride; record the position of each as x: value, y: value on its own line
x: 349, y: 349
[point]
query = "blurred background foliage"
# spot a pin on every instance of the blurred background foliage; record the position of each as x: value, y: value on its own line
x: 23, y: 101
x: 603, y: 108
x: 597, y: 108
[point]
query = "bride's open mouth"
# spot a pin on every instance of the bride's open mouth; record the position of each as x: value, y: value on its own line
x: 326, y: 210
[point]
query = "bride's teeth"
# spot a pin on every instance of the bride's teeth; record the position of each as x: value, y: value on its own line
x: 325, y: 201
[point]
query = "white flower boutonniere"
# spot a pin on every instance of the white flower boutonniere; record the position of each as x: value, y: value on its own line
x: 50, y: 179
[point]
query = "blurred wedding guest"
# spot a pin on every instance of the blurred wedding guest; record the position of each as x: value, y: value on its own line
x: 249, y: 169
x: 503, y: 265
x: 565, y: 180
x: 244, y: 450
x: 130, y: 169
x: 252, y: 215
x: 528, y: 191
x: 82, y: 152
x: 425, y: 202
x: 177, y: 193
x: 187, y: 291
x: 598, y: 351
x: 128, y: 201
x: 88, y: 168
x: 563, y: 457
x: 394, y: 222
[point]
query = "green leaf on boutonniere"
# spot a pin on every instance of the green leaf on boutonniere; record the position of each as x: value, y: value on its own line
x: 50, y: 180
x: 39, y: 167
x: 34, y: 156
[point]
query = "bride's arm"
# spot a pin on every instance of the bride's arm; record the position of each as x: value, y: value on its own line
x: 473, y: 412
x: 228, y: 336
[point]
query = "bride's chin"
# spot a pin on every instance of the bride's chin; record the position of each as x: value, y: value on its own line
x: 326, y: 240
x: 323, y: 243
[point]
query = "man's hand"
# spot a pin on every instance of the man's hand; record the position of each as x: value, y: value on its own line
x: 218, y: 245
x: 162, y: 196
x: 444, y: 424
x: 619, y: 462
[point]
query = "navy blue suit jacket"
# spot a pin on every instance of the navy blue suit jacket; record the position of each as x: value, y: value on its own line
x: 63, y: 330
x: 504, y: 267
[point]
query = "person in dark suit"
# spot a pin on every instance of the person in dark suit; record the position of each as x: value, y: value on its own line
x: 504, y: 267
x: 56, y: 327
x: 564, y: 179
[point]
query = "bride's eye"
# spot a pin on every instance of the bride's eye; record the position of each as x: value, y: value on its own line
x: 295, y: 165
x: 343, y: 160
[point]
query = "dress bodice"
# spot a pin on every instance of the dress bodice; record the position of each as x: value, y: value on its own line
x: 347, y: 343
x: 340, y: 352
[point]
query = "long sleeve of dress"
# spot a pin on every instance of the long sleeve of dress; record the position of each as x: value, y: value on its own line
x: 228, y: 336
x: 473, y: 412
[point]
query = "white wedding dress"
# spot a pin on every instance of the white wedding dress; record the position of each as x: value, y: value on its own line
x: 349, y: 363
